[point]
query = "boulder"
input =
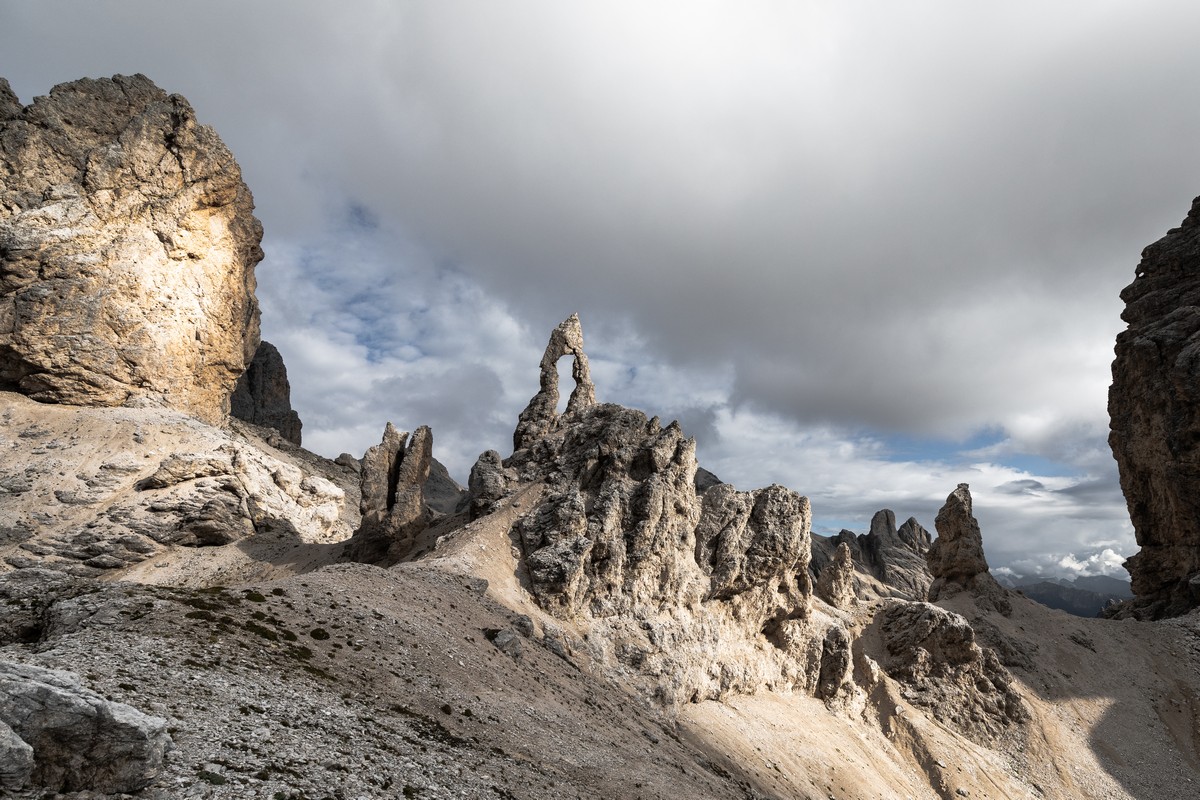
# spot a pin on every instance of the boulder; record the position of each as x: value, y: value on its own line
x: 1154, y: 406
x: 127, y: 251
x: 79, y: 740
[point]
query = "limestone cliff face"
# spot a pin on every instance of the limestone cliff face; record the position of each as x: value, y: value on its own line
x: 1154, y: 405
x: 263, y: 395
x: 127, y: 251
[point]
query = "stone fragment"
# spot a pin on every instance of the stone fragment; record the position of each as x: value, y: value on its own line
x: 263, y: 395
x: 1154, y: 407
x: 541, y: 415
x: 179, y: 467
x: 127, y: 251
x: 16, y: 759
x: 80, y: 741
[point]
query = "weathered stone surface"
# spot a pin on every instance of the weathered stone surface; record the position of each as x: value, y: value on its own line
x: 956, y: 558
x: 934, y: 655
x: 115, y: 486
x: 393, y: 506
x: 1154, y: 406
x: 487, y: 484
x: 755, y: 548
x: 16, y: 760
x: 700, y: 593
x: 835, y: 583
x: 79, y: 740
x: 541, y: 416
x: 127, y: 251
x: 263, y: 395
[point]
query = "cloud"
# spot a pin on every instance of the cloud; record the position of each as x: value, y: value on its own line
x: 846, y: 223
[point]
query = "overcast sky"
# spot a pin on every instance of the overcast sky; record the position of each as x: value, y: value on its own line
x: 866, y: 250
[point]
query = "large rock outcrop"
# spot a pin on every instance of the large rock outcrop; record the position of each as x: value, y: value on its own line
x: 263, y: 395
x: 956, y: 558
x: 393, y: 504
x: 75, y: 739
x: 127, y: 251
x: 934, y: 655
x: 1154, y: 406
x: 702, y: 593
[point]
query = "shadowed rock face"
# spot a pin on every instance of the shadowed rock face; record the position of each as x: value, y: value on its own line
x: 1154, y: 405
x: 393, y: 505
x: 893, y: 557
x: 263, y: 395
x: 127, y: 251
x: 75, y: 739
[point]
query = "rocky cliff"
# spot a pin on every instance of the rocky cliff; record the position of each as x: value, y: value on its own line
x: 127, y: 251
x: 263, y: 395
x: 1154, y: 406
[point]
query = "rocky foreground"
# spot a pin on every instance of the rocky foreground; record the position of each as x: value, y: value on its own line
x: 195, y: 606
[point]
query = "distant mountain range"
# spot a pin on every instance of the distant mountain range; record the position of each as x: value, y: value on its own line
x: 1083, y: 596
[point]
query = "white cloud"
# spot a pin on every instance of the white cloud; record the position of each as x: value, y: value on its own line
x: 803, y: 228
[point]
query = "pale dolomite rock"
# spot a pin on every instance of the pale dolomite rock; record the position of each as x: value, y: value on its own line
x: 540, y: 416
x: 698, y: 593
x: 79, y: 740
x: 127, y: 251
x: 934, y: 655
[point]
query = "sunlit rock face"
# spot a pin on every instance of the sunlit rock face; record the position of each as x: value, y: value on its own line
x: 127, y: 251
x: 1154, y: 405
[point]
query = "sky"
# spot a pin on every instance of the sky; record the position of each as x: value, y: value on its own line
x: 866, y: 250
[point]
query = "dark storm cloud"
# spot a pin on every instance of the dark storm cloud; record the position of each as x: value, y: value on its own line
x: 826, y: 220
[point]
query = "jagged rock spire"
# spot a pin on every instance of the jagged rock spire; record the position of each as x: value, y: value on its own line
x: 541, y: 415
x: 956, y: 558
